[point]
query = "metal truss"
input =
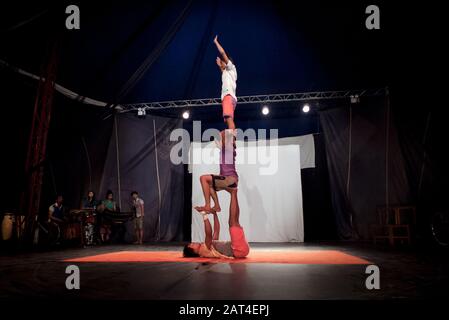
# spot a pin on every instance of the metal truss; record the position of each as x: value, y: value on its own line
x: 37, y: 145
x: 270, y: 98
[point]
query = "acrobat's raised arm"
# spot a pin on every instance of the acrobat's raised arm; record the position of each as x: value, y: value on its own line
x: 221, y: 50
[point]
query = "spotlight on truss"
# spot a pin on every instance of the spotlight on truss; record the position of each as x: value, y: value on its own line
x: 306, y: 108
x: 265, y: 110
x: 141, y: 112
x: 355, y: 98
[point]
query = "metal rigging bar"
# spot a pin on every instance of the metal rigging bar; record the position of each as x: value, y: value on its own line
x: 270, y: 98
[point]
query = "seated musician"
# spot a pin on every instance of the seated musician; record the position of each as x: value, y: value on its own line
x: 56, y: 211
x: 56, y: 219
x: 107, y: 205
x: 89, y: 202
x: 90, y: 227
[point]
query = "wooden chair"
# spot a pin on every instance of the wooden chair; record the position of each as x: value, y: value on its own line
x: 395, y: 224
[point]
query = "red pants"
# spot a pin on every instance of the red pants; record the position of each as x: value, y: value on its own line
x: 228, y: 103
x: 239, y: 246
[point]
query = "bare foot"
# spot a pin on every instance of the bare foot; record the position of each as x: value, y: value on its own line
x: 216, y: 209
x: 206, y: 209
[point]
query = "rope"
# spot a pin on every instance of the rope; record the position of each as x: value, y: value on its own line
x: 207, y: 36
x: 117, y: 53
x: 387, y: 154
x: 148, y: 62
x: 348, y: 178
x: 88, y: 162
x: 158, y: 181
x: 22, y: 23
x: 424, y: 154
x: 118, y: 163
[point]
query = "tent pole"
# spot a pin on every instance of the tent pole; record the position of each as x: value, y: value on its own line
x: 118, y: 162
x: 387, y: 151
x: 421, y: 176
x: 158, y: 182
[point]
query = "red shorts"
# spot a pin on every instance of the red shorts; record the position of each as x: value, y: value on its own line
x: 228, y: 103
x: 239, y: 246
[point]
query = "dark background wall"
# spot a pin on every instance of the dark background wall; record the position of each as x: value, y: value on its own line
x: 79, y: 140
x: 76, y: 128
x: 279, y: 46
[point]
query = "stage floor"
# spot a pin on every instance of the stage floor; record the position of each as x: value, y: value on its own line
x: 272, y: 271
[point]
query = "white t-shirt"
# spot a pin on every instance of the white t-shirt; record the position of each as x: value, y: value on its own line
x: 229, y: 80
x: 138, y: 204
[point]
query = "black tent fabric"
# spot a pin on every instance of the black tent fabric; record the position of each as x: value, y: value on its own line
x: 366, y: 166
x: 422, y: 144
x: 77, y: 146
x: 138, y: 159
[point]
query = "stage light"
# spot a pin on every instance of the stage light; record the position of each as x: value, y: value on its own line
x: 265, y: 110
x: 355, y: 98
x: 141, y: 112
x: 186, y: 115
x: 306, y: 108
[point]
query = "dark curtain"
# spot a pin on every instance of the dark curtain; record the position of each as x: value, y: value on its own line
x: 365, y: 162
x: 77, y: 145
x: 422, y: 136
x: 319, y: 222
x: 17, y: 101
x: 141, y: 162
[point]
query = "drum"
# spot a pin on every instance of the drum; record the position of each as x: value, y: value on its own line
x: 72, y: 231
x: 89, y: 219
x: 8, y: 220
x: 68, y: 231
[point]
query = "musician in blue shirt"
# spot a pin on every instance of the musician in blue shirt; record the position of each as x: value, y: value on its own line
x: 56, y: 210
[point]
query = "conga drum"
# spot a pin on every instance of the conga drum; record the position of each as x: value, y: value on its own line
x: 68, y: 231
x: 90, y: 218
x: 7, y: 223
x: 72, y: 231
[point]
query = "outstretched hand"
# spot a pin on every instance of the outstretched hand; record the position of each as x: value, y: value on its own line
x: 216, y: 39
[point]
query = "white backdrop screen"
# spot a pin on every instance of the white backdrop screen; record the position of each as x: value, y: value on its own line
x: 270, y: 205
